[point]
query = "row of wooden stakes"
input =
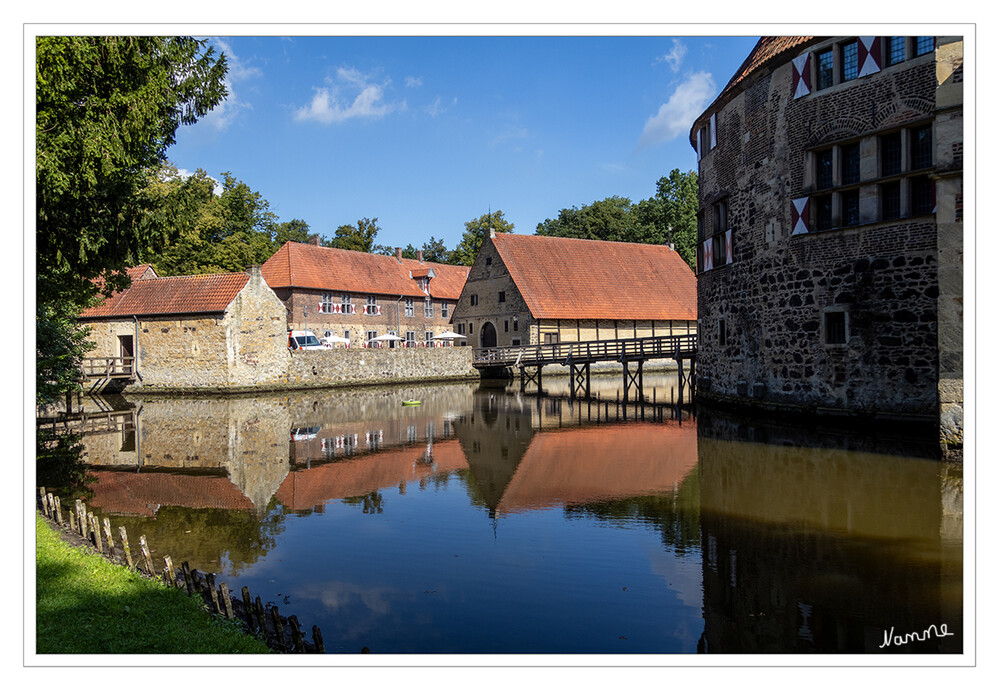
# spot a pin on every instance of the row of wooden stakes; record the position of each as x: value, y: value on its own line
x: 283, y: 634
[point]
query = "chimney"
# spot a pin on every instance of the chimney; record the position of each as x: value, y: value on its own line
x: 253, y: 271
x: 419, y: 255
x: 492, y: 232
x: 671, y: 246
x: 398, y: 254
x: 314, y: 240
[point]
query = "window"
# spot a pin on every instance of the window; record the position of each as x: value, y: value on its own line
x: 823, y: 212
x: 371, y: 335
x: 428, y: 337
x: 890, y: 194
x: 470, y: 331
x: 849, y: 67
x: 428, y: 308
x: 443, y: 310
x: 895, y: 49
x: 721, y: 216
x: 713, y: 250
x: 824, y: 169
x: 516, y: 342
x: 924, y: 45
x: 506, y: 326
x: 891, y: 153
x: 326, y: 305
x: 851, y: 207
x: 502, y: 296
x: 850, y: 163
x: 409, y: 307
x: 424, y: 284
x: 835, y: 327
x: 345, y: 304
x: 489, y: 261
x: 346, y: 334
x: 922, y: 193
x: 722, y: 333
x: 516, y: 324
x: 461, y: 328
x: 473, y: 300
x: 824, y: 69
x: 372, y: 306
x: 921, y: 147
x: 410, y: 338
x: 718, y: 249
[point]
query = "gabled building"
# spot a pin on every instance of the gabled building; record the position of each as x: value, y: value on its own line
x: 527, y: 289
x: 201, y: 331
x: 830, y: 229
x: 360, y: 296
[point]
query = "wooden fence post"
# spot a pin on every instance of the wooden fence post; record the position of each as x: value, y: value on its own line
x: 210, y: 583
x: 124, y: 546
x: 258, y: 610
x: 185, y: 569
x: 110, y: 539
x: 147, y: 557
x: 278, y: 628
x: 41, y: 497
x: 248, y: 605
x: 96, y: 529
x: 72, y: 521
x: 226, y: 600
x: 168, y: 574
x: 296, y: 634
x: 58, y: 510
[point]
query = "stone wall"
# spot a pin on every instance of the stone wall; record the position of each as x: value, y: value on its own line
x: 762, y: 317
x: 257, y: 342
x: 339, y: 367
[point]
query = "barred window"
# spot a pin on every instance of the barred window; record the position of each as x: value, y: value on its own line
x: 922, y: 193
x: 895, y: 50
x: 924, y: 45
x: 824, y: 169
x: 851, y: 207
x: 891, y: 200
x: 824, y: 69
x: 891, y: 153
x: 921, y: 147
x: 850, y: 68
x: 850, y: 163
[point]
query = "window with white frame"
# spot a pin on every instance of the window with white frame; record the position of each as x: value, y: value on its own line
x: 428, y: 308
x: 444, y: 310
x: 410, y: 309
x: 326, y: 303
x: 410, y: 338
x: 371, y: 308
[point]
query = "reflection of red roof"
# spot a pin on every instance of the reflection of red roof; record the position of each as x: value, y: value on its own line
x: 174, y: 295
x: 137, y: 493
x: 567, y: 278
x: 324, y: 268
x: 304, y: 489
x: 575, y: 466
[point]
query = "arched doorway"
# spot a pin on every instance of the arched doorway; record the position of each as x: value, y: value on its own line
x: 487, y: 336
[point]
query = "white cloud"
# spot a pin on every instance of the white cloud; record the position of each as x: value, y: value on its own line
x: 674, y: 57
x: 677, y: 115
x: 223, y: 115
x: 437, y: 107
x: 414, y: 82
x: 350, y: 94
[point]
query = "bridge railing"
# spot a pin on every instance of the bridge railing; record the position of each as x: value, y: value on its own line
x: 655, y: 347
x: 108, y: 367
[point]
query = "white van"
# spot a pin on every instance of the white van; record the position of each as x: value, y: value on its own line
x: 304, y: 340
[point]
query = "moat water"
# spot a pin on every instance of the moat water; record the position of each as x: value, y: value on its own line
x: 491, y: 521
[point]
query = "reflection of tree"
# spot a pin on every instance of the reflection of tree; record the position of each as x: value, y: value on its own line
x: 371, y: 503
x: 59, y: 463
x: 677, y: 516
x: 204, y: 537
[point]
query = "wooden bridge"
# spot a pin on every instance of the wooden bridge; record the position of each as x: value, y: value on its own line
x: 632, y: 353
x: 100, y: 371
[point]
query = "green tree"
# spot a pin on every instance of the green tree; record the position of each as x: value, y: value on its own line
x: 476, y: 230
x: 610, y: 219
x: 671, y: 215
x: 436, y: 251
x: 358, y: 238
x: 294, y: 230
x: 107, y: 108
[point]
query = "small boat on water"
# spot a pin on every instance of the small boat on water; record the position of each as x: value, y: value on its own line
x: 410, y: 403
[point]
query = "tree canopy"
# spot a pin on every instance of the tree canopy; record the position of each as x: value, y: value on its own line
x: 358, y: 238
x: 107, y: 109
x: 476, y: 230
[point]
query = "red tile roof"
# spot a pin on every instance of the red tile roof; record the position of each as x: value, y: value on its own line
x: 132, y: 493
x: 768, y: 50
x: 570, y: 466
x: 563, y: 278
x: 324, y: 268
x: 201, y: 294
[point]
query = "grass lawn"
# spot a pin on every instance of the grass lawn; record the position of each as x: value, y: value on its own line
x: 87, y: 605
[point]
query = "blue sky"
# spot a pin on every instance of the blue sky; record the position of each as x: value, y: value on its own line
x: 426, y: 133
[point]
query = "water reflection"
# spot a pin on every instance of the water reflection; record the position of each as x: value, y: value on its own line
x: 490, y: 520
